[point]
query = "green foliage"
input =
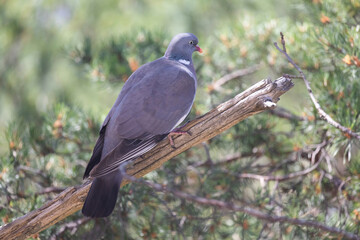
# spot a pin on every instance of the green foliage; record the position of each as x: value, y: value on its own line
x: 117, y: 59
x: 48, y: 153
x: 57, y: 99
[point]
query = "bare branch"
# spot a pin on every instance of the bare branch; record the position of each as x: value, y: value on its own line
x: 280, y: 178
x: 217, y: 85
x: 304, y: 172
x: 230, y: 158
x: 70, y: 226
x: 48, y: 190
x: 284, y: 113
x: 283, y: 41
x: 322, y: 113
x: 252, y: 101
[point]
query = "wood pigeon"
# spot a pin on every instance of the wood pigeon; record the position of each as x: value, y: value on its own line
x: 154, y: 100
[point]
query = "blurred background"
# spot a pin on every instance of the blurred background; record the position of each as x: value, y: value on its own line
x: 63, y: 63
x: 37, y: 39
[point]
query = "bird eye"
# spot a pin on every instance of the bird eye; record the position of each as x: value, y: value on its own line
x: 191, y: 42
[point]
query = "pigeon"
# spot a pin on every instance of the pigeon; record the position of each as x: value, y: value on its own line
x: 155, y: 99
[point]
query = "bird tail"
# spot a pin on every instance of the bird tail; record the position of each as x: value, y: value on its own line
x: 101, y: 199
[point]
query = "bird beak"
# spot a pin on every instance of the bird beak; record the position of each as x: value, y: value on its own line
x: 198, y: 49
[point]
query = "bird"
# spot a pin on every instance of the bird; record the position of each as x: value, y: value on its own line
x: 154, y: 100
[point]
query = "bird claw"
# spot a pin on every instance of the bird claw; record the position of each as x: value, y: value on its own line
x: 176, y: 132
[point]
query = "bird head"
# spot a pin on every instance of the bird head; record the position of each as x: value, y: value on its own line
x: 182, y: 46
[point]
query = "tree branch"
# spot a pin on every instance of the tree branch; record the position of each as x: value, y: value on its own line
x: 284, y: 113
x: 316, y: 154
x: 69, y: 226
x: 217, y: 85
x: 322, y: 113
x: 258, y: 98
x: 266, y: 178
x: 248, y: 210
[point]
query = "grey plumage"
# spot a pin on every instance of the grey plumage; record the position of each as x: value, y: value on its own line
x: 153, y: 101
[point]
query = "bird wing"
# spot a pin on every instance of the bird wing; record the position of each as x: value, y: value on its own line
x: 153, y: 104
x: 99, y: 146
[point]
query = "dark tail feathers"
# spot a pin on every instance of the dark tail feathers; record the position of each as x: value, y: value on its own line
x: 101, y: 199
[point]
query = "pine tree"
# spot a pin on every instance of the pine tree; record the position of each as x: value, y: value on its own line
x: 287, y: 162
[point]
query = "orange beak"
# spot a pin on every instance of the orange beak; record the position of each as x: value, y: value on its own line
x: 198, y: 49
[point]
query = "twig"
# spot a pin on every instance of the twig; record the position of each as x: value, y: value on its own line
x: 342, y: 184
x: 228, y: 159
x: 280, y: 178
x: 217, y: 85
x: 261, y: 231
x: 34, y: 173
x: 257, y: 153
x: 284, y: 113
x: 248, y: 210
x: 207, y: 151
x: 316, y: 152
x: 283, y: 41
x: 292, y: 76
x: 50, y: 190
x: 70, y: 226
x: 304, y: 172
x: 328, y: 160
x: 322, y: 113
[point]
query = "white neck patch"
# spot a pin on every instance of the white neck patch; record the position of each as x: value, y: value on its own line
x: 183, y: 61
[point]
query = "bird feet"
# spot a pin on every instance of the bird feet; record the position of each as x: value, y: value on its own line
x: 175, y: 132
